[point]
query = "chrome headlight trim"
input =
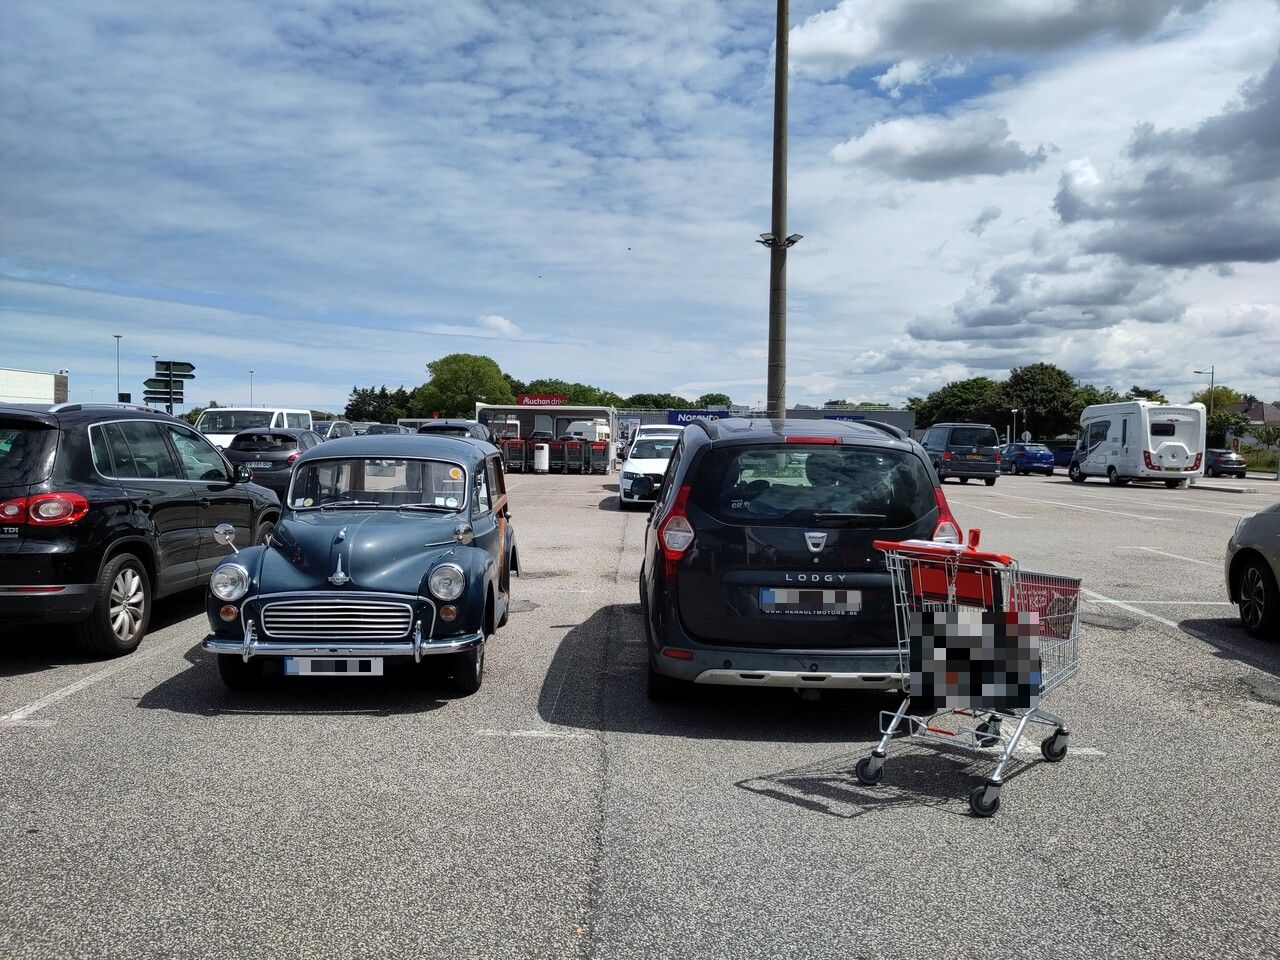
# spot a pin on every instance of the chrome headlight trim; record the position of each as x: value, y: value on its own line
x: 229, y: 582
x: 447, y: 581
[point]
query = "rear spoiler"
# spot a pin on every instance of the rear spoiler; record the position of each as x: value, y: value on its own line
x: 895, y: 432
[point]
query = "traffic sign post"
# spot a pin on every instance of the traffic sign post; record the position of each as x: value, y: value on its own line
x: 166, y: 386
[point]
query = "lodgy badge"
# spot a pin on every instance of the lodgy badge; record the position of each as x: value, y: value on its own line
x: 815, y: 577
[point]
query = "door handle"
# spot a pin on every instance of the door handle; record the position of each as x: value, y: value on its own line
x: 204, y: 503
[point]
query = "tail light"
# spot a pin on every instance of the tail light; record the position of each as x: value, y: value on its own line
x: 997, y: 456
x: 676, y: 533
x: 946, y: 456
x: 1195, y: 464
x: 44, y: 509
x: 293, y: 457
x: 1146, y: 458
x: 946, y: 530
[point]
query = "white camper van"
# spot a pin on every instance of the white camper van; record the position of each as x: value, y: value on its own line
x: 1140, y: 440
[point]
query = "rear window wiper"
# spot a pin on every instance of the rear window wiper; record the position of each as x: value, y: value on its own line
x: 852, y: 518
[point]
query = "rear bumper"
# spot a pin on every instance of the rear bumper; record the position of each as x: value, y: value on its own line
x: 46, y: 603
x: 958, y: 468
x: 803, y: 680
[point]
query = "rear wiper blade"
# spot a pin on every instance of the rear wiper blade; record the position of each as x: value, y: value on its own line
x: 833, y: 516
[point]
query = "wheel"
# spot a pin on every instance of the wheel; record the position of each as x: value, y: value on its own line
x: 1259, y: 600
x: 980, y: 804
x: 1075, y: 473
x: 1173, y: 484
x: 988, y: 733
x: 1048, y: 473
x: 468, y: 670
x: 238, y: 674
x: 1017, y: 470
x: 990, y: 481
x: 868, y: 775
x: 964, y: 479
x: 1113, y: 477
x: 121, y: 609
x: 264, y: 530
x: 661, y: 688
x: 1210, y: 473
x: 1054, y: 746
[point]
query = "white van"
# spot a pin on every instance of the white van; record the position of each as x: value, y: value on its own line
x: 587, y: 430
x: 220, y: 424
x: 1140, y: 440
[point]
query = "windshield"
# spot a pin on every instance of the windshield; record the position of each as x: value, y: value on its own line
x: 379, y: 482
x: 835, y: 485
x: 973, y: 437
x: 653, y: 449
x: 232, y: 421
x: 26, y: 452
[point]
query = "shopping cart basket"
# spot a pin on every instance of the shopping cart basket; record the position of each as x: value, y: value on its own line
x: 1013, y: 637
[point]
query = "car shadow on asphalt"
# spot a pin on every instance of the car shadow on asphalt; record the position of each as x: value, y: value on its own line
x: 1229, y: 638
x: 198, y: 690
x: 32, y: 648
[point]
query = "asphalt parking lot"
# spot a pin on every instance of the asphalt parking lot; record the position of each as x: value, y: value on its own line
x: 145, y: 811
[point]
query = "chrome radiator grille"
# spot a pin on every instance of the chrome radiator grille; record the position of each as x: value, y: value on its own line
x: 336, y: 619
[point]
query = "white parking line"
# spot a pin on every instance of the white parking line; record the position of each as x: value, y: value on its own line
x: 998, y: 513
x: 15, y: 717
x: 1129, y: 607
x: 1073, y: 506
x: 535, y: 734
x: 1176, y: 556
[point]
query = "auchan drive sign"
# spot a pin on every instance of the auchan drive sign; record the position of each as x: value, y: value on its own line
x: 542, y: 400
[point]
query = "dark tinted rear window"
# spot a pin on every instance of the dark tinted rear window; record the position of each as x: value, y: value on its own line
x: 798, y: 485
x: 263, y: 442
x: 26, y: 452
x: 973, y: 437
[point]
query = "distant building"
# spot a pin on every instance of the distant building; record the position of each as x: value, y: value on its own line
x: 1260, y: 415
x: 31, y: 386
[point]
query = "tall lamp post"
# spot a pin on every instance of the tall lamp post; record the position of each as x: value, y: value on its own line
x: 1014, y: 437
x: 251, y: 388
x: 117, y: 336
x: 777, y: 239
x: 1210, y: 372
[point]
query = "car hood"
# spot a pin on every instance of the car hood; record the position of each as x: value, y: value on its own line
x: 646, y: 466
x: 383, y: 550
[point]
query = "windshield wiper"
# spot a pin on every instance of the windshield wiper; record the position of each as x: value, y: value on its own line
x: 350, y: 503
x: 853, y: 518
x: 427, y: 506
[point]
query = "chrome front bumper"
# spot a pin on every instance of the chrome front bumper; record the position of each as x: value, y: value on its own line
x: 416, y: 647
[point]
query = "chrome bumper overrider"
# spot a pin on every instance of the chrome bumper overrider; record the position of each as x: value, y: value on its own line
x: 417, y: 647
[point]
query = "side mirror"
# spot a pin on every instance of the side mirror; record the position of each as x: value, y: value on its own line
x: 463, y: 533
x: 243, y: 475
x: 642, y: 487
x: 225, y: 534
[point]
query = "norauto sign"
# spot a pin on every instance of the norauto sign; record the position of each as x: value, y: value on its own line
x: 542, y: 400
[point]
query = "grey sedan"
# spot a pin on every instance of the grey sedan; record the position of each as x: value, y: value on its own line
x: 1253, y: 567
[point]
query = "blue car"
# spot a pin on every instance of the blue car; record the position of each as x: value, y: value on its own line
x: 390, y: 547
x: 1027, y: 458
x: 1063, y: 455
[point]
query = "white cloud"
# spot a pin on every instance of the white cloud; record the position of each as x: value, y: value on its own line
x: 499, y: 324
x: 938, y: 148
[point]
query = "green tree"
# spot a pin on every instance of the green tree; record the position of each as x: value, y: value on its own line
x: 709, y: 400
x: 1044, y: 396
x: 656, y: 401
x: 458, y: 382
x: 1145, y: 393
x: 1221, y: 425
x: 579, y: 394
x: 976, y: 400
x: 1086, y: 396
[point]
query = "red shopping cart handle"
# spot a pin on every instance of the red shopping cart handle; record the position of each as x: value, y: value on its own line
x: 932, y: 550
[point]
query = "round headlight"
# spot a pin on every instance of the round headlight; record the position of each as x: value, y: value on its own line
x: 229, y: 582
x: 447, y: 581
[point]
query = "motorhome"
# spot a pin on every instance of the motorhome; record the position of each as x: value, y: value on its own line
x: 220, y: 424
x: 1140, y: 440
x: 597, y: 429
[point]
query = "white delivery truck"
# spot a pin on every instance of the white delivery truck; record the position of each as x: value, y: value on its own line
x: 1140, y: 440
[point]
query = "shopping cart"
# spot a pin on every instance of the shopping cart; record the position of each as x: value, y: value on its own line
x: 939, y: 587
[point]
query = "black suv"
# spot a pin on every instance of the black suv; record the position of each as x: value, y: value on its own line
x: 759, y: 568
x: 104, y: 508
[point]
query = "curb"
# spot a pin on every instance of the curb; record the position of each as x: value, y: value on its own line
x: 1217, y: 489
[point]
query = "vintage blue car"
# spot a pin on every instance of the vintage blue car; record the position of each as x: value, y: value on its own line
x: 389, y: 546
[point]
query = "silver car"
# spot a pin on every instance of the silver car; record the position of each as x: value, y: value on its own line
x: 1253, y: 568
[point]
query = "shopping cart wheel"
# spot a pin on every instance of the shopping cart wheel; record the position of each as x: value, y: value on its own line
x: 988, y: 733
x: 868, y: 774
x: 984, y: 800
x: 1054, y: 747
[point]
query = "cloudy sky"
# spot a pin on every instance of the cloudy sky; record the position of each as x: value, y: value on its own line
x: 334, y: 193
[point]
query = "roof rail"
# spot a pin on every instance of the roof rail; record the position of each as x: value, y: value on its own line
x: 72, y: 407
x: 896, y: 432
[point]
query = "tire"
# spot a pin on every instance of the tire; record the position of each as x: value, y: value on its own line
x: 964, y: 479
x: 978, y: 803
x: 1075, y: 473
x: 1113, y: 478
x: 237, y: 674
x: 660, y: 688
x: 1173, y: 484
x: 1017, y: 470
x: 990, y: 481
x: 1054, y: 747
x: 1259, y: 601
x: 263, y: 531
x: 1210, y: 473
x: 468, y: 670
x: 988, y: 733
x: 121, y: 609
x: 866, y: 775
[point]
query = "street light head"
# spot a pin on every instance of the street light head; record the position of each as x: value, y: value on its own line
x: 793, y: 239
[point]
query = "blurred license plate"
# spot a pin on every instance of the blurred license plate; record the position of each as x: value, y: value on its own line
x: 800, y: 602
x: 976, y: 456
x: 259, y: 465
x: 333, y: 667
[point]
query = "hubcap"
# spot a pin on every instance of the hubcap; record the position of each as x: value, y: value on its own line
x: 1252, y: 598
x: 127, y: 603
x: 266, y: 531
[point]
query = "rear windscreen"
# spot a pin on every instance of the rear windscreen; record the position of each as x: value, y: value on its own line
x: 973, y: 437
x: 26, y: 452
x: 263, y: 442
x: 832, y: 485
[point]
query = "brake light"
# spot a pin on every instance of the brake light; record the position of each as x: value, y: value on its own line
x: 829, y: 441
x: 997, y: 456
x: 946, y: 456
x: 294, y: 456
x: 676, y: 533
x: 946, y: 530
x: 1146, y: 458
x: 1195, y: 464
x: 55, y: 509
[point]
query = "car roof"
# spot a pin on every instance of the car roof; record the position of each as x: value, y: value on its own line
x: 775, y: 430
x: 467, y: 451
x: 61, y: 414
